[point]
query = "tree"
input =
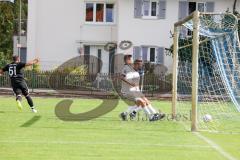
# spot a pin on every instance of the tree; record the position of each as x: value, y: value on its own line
x: 6, y: 31
x: 9, y: 14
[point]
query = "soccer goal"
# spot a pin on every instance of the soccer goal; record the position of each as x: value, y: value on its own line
x: 206, y: 71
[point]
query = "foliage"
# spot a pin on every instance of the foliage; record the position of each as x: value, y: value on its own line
x: 9, y: 14
x: 36, y: 68
x: 81, y: 70
x: 149, y: 67
x: 6, y: 31
x: 3, y: 60
x: 24, y: 12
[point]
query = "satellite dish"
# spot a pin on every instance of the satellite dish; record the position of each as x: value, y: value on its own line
x: 110, y: 46
x: 124, y: 45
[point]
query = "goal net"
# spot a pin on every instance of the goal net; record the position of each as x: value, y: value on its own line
x: 206, y: 72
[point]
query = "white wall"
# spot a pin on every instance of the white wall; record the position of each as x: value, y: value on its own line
x: 155, y: 32
x: 55, y: 26
x: 238, y: 6
x: 223, y: 5
x: 147, y: 32
x: 97, y: 32
x: 32, y: 29
x: 56, y: 29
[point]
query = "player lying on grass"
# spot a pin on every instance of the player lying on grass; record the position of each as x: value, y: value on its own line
x: 130, y: 90
x: 19, y: 85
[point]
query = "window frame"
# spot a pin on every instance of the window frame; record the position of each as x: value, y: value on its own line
x: 85, y: 11
x: 150, y: 10
x: 104, y: 14
x: 114, y: 12
x: 149, y: 54
x: 204, y: 3
x: 189, y: 34
x: 100, y: 57
x: 197, y: 7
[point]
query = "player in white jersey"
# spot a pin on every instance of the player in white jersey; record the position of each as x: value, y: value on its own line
x: 131, y: 91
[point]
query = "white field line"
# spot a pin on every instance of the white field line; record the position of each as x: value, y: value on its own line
x: 215, y: 146
x: 102, y: 143
x: 212, y: 144
x: 222, y: 132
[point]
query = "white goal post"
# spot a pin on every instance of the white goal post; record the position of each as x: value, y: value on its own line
x: 222, y: 85
x: 195, y: 46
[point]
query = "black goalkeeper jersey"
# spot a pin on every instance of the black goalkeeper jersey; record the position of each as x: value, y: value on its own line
x: 15, y: 71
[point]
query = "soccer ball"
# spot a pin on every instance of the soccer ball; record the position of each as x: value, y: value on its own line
x: 207, y: 118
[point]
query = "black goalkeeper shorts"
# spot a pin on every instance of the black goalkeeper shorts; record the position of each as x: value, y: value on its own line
x: 20, y: 88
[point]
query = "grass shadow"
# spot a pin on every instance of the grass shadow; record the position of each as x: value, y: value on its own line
x: 31, y: 121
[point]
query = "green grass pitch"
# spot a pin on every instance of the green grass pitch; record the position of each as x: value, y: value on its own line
x: 104, y: 138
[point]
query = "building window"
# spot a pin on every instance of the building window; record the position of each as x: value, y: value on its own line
x: 89, y: 12
x: 146, y: 53
x: 150, y: 8
x: 86, y: 54
x: 100, y: 54
x: 200, y: 6
x: 193, y: 6
x: 152, y: 53
x: 99, y: 60
x: 99, y: 12
x: 109, y: 12
x: 153, y: 9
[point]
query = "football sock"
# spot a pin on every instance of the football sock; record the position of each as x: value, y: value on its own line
x: 19, y: 104
x: 30, y: 102
x: 134, y: 109
x: 130, y: 109
x: 147, y: 111
x: 151, y: 109
x: 19, y: 98
x: 137, y: 109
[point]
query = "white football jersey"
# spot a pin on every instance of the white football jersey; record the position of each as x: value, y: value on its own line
x: 131, y: 76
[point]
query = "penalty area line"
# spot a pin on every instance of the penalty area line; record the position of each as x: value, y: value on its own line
x: 214, y: 146
x: 105, y: 143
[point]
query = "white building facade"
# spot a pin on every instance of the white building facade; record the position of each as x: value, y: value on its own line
x: 59, y: 30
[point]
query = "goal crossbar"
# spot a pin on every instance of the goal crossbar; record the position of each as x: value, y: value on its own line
x: 195, y: 22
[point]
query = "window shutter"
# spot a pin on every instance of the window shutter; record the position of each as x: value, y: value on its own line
x: 144, y: 53
x: 210, y: 6
x: 138, y: 8
x: 162, y: 9
x: 183, y: 12
x: 137, y: 53
x: 183, y: 9
x: 160, y: 55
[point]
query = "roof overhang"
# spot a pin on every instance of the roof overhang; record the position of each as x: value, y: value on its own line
x: 96, y: 43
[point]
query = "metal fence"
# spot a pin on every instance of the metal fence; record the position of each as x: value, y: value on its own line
x: 62, y: 81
